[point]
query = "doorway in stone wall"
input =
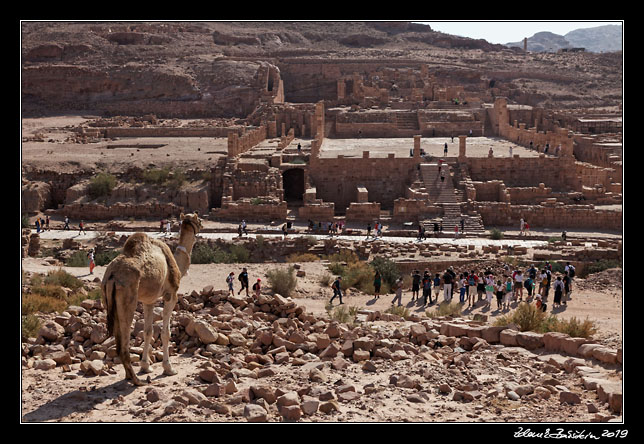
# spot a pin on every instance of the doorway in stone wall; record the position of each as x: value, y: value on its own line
x: 293, y: 183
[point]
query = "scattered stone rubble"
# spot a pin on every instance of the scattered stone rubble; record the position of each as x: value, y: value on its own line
x: 269, y: 360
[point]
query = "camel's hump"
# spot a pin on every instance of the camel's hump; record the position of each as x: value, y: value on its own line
x: 135, y: 244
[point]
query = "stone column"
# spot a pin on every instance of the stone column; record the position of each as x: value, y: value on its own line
x: 461, y: 147
x: 417, y: 146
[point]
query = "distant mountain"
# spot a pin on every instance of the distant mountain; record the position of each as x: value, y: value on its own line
x: 599, y: 39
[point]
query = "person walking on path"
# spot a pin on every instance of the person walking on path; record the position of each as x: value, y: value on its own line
x: 437, y: 288
x: 167, y: 226
x: 427, y: 287
x: 558, y: 291
x: 257, y: 287
x: 398, y: 287
x: 507, y: 298
x: 462, y: 288
x: 518, y: 285
x: 81, y: 227
x: 377, y: 282
x: 571, y: 273
x: 337, y: 289
x: 243, y: 278
x: 230, y: 280
x: 566, y: 288
x: 499, y: 294
x: 90, y: 256
x: 415, y: 285
x: 471, y: 288
x: 447, y: 286
x: 66, y: 227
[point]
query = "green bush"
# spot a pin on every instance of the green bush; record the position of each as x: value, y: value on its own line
x: 282, y: 281
x: 239, y: 253
x: 388, y: 270
x: 104, y: 257
x: 204, y: 253
x: 496, y: 234
x: 529, y: 318
x: 445, y: 309
x: 342, y: 313
x: 101, y: 185
x: 30, y: 326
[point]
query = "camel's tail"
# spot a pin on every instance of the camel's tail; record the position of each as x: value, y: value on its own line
x: 109, y: 301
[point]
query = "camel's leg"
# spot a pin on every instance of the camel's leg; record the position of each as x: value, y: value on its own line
x: 169, y: 301
x: 126, y: 307
x: 147, y: 337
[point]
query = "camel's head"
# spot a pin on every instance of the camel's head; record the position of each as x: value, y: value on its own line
x: 191, y: 220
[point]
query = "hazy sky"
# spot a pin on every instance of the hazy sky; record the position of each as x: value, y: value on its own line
x: 510, y: 31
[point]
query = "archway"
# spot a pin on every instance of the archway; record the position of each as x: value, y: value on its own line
x: 293, y: 184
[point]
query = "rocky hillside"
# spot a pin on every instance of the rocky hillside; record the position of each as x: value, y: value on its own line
x: 218, y: 69
x: 599, y: 39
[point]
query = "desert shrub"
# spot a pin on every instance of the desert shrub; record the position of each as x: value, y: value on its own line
x: 388, y: 270
x: 239, y: 253
x: 573, y: 327
x: 29, y: 326
x: 326, y: 279
x: 77, y: 259
x: 342, y: 313
x: 398, y: 311
x: 62, y: 278
x: 601, y: 265
x: 496, y: 234
x: 445, y: 309
x: 527, y: 317
x: 282, y: 281
x: 156, y: 176
x: 101, y: 185
x: 204, y: 253
x: 104, y: 257
x: 358, y: 275
x: 301, y: 257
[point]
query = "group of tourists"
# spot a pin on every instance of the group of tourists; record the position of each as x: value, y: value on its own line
x: 244, y: 281
x: 471, y: 287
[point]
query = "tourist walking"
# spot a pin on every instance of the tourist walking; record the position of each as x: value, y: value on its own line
x: 437, y: 287
x: 230, y: 280
x: 427, y: 287
x: 168, y: 227
x: 462, y: 288
x: 571, y: 273
x: 37, y: 225
x: 90, y: 257
x: 445, y: 150
x: 499, y: 294
x: 257, y: 287
x: 558, y: 292
x: 518, y: 285
x: 337, y: 290
x: 243, y: 278
x: 81, y: 227
x: 447, y: 286
x: 507, y: 298
x: 471, y: 288
x: 415, y: 285
x: 377, y: 282
x: 489, y: 290
x: 66, y: 227
x: 398, y: 287
x: 566, y: 288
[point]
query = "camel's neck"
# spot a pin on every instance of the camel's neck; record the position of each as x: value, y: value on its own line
x: 184, y: 249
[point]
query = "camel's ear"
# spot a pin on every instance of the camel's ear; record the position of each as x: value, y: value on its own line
x: 181, y: 216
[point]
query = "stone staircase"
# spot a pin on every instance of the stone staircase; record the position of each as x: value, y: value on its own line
x: 406, y: 121
x: 445, y: 195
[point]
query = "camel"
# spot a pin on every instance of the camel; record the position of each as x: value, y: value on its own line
x: 146, y: 271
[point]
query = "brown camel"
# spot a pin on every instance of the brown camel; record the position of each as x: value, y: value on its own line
x: 146, y: 271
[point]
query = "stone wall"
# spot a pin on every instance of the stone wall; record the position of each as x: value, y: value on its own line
x: 550, y: 214
x: 337, y: 179
x: 247, y: 209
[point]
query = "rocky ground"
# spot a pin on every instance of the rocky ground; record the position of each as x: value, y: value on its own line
x: 284, y: 359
